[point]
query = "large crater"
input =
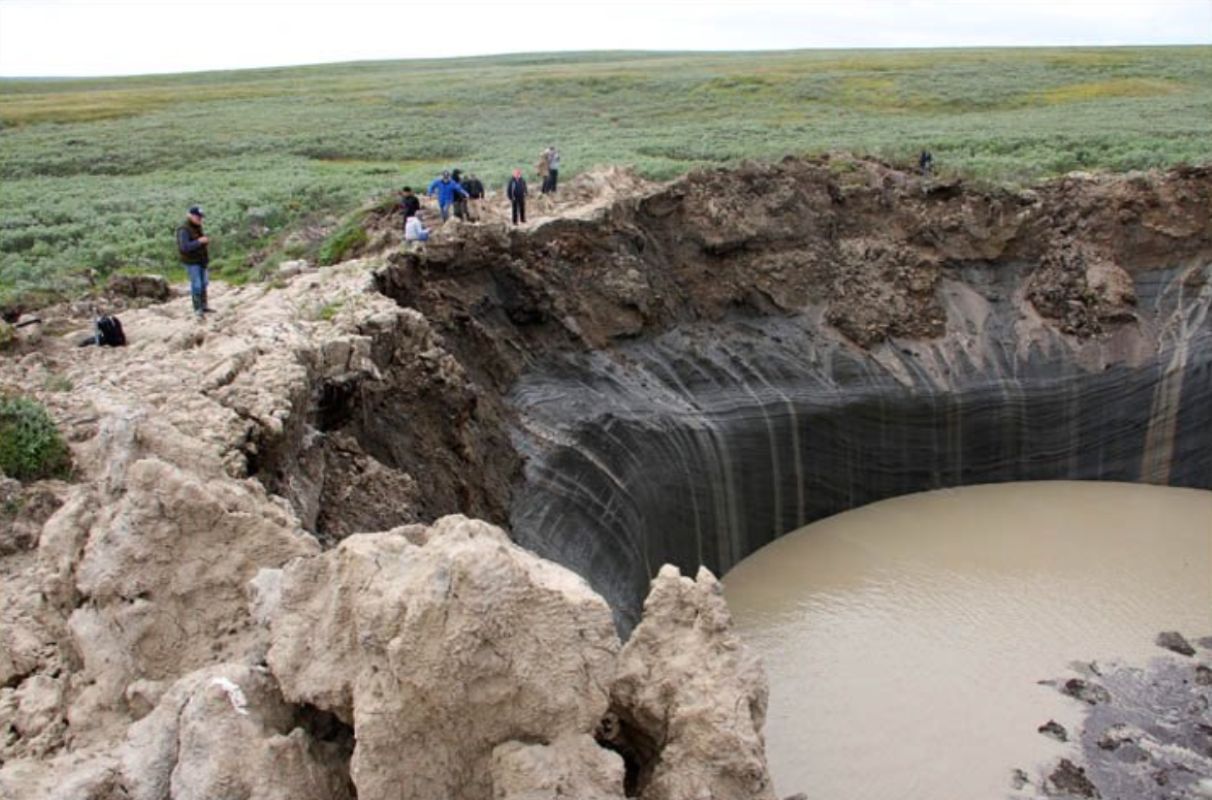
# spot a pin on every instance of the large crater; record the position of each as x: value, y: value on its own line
x: 691, y: 372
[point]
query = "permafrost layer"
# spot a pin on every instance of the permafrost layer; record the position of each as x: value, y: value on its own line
x: 708, y: 365
x: 709, y: 442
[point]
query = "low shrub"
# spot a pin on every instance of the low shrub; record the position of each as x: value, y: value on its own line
x: 343, y: 242
x: 30, y: 445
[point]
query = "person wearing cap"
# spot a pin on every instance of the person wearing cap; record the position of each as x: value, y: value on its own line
x: 445, y: 189
x: 515, y: 190
x: 192, y: 243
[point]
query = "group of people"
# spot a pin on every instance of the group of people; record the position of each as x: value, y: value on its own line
x: 455, y: 193
x: 463, y: 196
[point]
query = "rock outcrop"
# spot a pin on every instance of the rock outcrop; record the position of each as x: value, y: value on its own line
x: 141, y: 572
x: 570, y: 767
x: 438, y: 645
x: 689, y: 697
x: 223, y: 731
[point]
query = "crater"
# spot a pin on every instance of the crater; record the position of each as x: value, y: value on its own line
x: 694, y: 370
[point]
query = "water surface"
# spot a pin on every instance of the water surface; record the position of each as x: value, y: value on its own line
x: 903, y: 641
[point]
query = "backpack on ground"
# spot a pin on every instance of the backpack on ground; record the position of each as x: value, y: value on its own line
x: 109, y: 332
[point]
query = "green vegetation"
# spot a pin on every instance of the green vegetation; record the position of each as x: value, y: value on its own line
x: 95, y: 174
x: 329, y: 311
x: 58, y: 383
x: 30, y: 445
x: 343, y: 242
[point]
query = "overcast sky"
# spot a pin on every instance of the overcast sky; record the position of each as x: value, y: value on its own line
x: 122, y: 37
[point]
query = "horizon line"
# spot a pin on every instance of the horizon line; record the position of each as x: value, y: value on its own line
x: 557, y: 54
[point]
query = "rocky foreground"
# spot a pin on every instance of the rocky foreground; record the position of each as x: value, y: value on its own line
x: 173, y: 629
x: 257, y: 583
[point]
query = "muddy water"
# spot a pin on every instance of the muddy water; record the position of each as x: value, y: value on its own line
x: 903, y: 640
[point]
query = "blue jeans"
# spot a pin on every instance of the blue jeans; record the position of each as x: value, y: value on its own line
x: 197, y: 278
x: 444, y: 210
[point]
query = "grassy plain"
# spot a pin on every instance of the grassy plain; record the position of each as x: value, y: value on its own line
x: 95, y: 174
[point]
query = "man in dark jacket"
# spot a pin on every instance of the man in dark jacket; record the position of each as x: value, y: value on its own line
x: 460, y: 202
x: 192, y: 244
x: 410, y: 204
x: 475, y: 193
x: 516, y: 192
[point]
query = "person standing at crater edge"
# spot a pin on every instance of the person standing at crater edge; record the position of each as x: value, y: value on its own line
x: 409, y: 203
x: 475, y: 191
x: 553, y: 169
x: 445, y: 188
x: 193, y: 245
x: 516, y: 192
x: 542, y: 169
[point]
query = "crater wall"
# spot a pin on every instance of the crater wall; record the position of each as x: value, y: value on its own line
x: 707, y: 443
x: 696, y: 369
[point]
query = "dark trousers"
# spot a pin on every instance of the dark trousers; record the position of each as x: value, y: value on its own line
x: 519, y: 209
x: 552, y: 180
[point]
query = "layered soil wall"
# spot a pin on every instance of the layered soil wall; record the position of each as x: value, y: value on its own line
x: 703, y: 366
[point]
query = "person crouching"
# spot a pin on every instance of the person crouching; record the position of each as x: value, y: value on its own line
x: 415, y: 230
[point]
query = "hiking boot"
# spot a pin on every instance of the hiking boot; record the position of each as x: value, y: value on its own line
x: 205, y: 305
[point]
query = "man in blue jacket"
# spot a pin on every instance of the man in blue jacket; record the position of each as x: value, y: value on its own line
x: 192, y: 244
x: 445, y: 189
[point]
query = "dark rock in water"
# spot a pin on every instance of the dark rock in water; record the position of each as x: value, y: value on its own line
x: 1205, y: 642
x: 1069, y: 779
x: 1055, y: 730
x: 1152, y: 742
x: 1085, y: 691
x: 1203, y: 675
x: 1174, y: 641
x: 1019, y: 779
x: 1117, y: 735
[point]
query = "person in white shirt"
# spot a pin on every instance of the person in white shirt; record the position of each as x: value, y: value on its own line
x: 415, y: 230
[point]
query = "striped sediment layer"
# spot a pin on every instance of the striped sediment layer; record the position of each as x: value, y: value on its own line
x: 707, y: 442
x: 696, y: 368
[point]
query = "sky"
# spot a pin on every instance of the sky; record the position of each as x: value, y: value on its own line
x: 125, y: 37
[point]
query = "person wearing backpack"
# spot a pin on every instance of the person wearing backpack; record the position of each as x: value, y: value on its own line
x: 192, y: 244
